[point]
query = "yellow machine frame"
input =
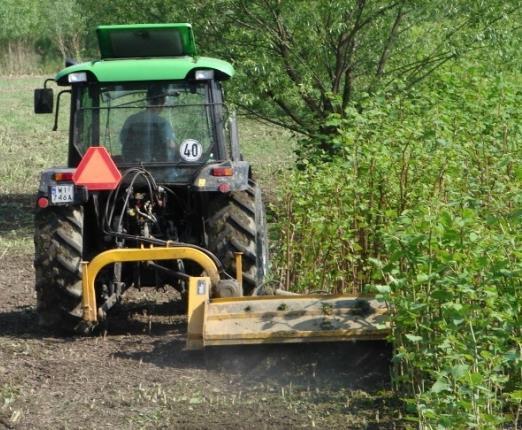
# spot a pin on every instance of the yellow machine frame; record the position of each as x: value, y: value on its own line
x: 91, y: 270
x: 249, y: 320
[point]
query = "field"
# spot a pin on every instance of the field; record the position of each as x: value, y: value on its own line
x: 138, y: 375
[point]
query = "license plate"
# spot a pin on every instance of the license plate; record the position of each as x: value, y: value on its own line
x: 62, y: 193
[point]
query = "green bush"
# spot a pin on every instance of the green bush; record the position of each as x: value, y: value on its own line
x: 425, y: 207
x: 455, y: 291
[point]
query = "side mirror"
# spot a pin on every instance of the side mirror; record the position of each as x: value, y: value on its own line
x: 43, y: 100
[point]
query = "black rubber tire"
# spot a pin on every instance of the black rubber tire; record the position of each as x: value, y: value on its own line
x: 58, y: 240
x: 237, y: 222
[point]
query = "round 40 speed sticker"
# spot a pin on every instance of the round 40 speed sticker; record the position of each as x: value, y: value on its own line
x: 190, y: 150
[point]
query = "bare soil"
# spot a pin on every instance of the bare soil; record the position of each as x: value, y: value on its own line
x: 138, y: 375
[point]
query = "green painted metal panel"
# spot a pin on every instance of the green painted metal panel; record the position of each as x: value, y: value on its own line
x: 156, y: 69
x: 146, y: 40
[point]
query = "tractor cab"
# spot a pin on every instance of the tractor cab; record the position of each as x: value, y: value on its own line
x: 150, y: 101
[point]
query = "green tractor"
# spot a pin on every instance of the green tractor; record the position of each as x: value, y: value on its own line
x: 156, y: 193
x: 160, y: 166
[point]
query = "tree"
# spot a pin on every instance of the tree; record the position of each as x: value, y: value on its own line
x: 19, y: 23
x: 301, y: 62
x: 67, y: 28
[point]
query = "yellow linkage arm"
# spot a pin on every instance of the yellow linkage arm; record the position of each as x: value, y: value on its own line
x: 91, y: 270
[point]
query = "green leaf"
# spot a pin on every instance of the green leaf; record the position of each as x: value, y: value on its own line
x: 459, y: 370
x: 422, y: 277
x: 515, y: 395
x: 473, y: 237
x: 382, y: 289
x: 413, y: 338
x: 442, y: 295
x: 476, y: 379
x: 439, y: 386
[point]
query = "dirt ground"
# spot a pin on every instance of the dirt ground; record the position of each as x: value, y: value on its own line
x: 139, y: 376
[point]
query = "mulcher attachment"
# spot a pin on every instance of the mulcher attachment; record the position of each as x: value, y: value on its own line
x: 283, y: 319
x: 251, y: 320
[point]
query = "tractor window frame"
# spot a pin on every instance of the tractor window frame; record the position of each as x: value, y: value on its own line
x: 214, y: 104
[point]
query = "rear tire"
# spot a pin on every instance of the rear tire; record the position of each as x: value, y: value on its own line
x: 58, y: 241
x: 237, y: 223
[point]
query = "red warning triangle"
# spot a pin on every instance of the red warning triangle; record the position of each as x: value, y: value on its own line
x: 97, y: 171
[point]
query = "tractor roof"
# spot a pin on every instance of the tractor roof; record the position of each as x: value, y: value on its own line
x: 146, y: 40
x: 154, y: 69
x: 146, y: 52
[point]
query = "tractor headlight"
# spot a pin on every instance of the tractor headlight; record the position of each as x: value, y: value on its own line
x: 204, y: 75
x: 77, y: 77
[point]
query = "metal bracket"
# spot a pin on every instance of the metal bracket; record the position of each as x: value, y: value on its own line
x: 122, y: 255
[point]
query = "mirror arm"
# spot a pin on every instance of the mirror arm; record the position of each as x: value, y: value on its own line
x: 55, y: 127
x: 48, y: 80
